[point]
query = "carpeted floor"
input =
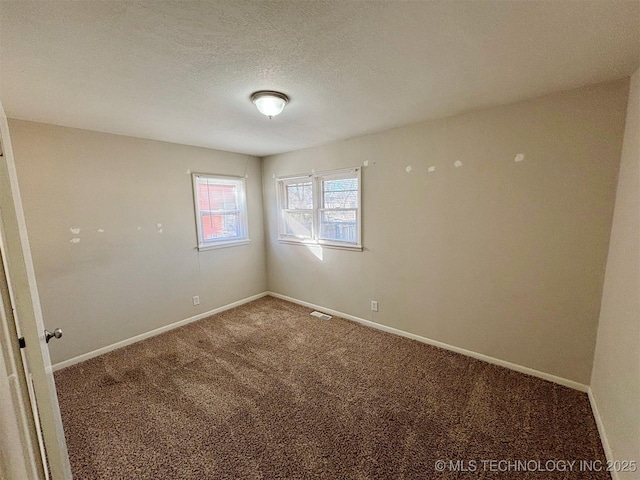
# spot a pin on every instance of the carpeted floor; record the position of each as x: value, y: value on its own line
x: 265, y: 391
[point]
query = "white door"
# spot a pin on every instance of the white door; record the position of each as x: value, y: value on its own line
x: 26, y: 307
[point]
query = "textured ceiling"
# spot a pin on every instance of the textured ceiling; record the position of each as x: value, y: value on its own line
x: 183, y: 71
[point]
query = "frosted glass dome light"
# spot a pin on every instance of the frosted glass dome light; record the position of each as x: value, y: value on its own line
x: 269, y: 103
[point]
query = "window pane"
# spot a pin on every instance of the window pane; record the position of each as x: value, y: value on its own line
x: 298, y: 224
x: 221, y: 226
x: 344, y: 199
x: 217, y: 196
x: 340, y: 193
x: 229, y: 196
x: 299, y: 196
x: 340, y: 226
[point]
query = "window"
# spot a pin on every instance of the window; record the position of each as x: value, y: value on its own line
x: 221, y: 210
x: 322, y: 208
x: 297, y: 211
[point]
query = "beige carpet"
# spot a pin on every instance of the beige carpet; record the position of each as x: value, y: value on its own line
x: 265, y: 391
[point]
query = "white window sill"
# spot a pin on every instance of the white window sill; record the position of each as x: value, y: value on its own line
x: 310, y: 243
x: 215, y: 246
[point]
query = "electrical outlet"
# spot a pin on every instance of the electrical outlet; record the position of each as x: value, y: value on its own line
x: 196, y: 300
x: 374, y: 306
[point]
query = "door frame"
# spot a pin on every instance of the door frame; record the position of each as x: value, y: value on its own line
x: 32, y: 367
x: 19, y: 448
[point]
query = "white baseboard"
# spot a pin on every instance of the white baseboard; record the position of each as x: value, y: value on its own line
x: 603, y: 434
x: 478, y: 356
x: 153, y: 333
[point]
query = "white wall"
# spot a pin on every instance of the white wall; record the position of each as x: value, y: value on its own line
x: 615, y: 383
x: 131, y: 278
x: 501, y: 258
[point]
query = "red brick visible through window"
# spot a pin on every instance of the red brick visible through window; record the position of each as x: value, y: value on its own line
x: 215, y: 197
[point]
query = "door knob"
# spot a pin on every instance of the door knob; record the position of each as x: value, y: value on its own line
x: 57, y: 333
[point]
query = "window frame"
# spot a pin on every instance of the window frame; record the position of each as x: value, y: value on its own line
x: 316, y: 179
x: 242, y: 211
x: 282, y: 184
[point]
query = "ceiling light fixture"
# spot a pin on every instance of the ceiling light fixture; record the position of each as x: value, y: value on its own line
x: 269, y: 103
